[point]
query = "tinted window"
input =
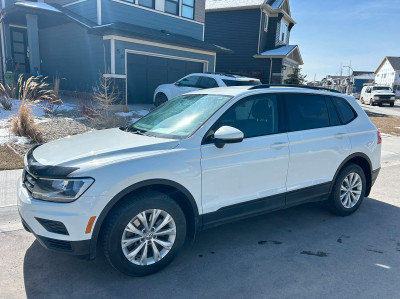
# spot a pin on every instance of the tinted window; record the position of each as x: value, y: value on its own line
x: 191, y: 81
x: 240, y: 83
x: 347, y: 113
x: 333, y: 116
x: 207, y: 82
x: 306, y: 112
x: 255, y: 116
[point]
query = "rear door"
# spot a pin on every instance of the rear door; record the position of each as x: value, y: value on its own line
x: 318, y: 143
x: 187, y: 84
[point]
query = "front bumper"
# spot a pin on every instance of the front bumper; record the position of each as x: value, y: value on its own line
x: 383, y: 101
x: 73, y: 217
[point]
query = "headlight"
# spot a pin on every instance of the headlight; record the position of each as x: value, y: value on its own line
x: 59, y: 190
x: 393, y: 98
x: 376, y: 97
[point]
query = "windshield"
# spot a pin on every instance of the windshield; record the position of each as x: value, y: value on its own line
x: 180, y: 117
x: 382, y: 88
x: 241, y: 83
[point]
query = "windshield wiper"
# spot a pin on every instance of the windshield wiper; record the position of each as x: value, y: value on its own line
x: 141, y: 133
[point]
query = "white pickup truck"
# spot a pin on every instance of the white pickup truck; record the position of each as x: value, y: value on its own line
x: 377, y: 95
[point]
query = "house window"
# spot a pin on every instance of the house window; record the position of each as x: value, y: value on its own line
x: 147, y: 3
x: 284, y: 31
x: 188, y: 9
x: 266, y: 22
x: 172, y: 7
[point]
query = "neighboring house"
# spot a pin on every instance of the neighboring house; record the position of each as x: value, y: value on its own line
x: 139, y: 43
x: 258, y: 33
x: 388, y: 73
x: 359, y: 78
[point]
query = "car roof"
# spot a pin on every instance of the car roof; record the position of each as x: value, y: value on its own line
x: 243, y: 90
x: 225, y: 76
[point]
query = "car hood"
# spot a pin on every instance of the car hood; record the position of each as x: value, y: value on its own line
x: 100, y: 146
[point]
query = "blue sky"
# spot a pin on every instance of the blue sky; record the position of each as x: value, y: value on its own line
x: 331, y: 33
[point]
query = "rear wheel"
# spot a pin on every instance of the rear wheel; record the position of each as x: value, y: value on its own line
x: 143, y: 235
x: 391, y: 104
x: 160, y: 99
x: 348, y: 190
x: 380, y: 104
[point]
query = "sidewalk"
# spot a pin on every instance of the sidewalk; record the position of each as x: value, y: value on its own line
x: 8, y: 187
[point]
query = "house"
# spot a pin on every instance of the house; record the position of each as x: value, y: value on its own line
x: 258, y: 33
x: 388, y: 73
x: 138, y: 43
x: 359, y: 78
x: 339, y: 83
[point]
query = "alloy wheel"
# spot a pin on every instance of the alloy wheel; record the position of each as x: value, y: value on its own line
x: 148, y: 237
x: 350, y: 190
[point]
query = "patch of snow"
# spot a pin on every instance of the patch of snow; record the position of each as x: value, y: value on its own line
x: 80, y: 118
x: 39, y: 5
x: 384, y: 135
x: 41, y: 120
x: 397, y: 128
x: 142, y: 112
x: 67, y: 107
x: 124, y: 114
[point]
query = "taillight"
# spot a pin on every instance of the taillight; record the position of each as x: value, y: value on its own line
x: 379, y: 138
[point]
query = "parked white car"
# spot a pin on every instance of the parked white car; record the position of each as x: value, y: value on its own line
x: 377, y: 95
x: 200, y: 160
x: 197, y: 81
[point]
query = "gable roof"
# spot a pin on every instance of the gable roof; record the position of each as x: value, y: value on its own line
x: 394, y: 62
x: 237, y: 4
x: 282, y: 52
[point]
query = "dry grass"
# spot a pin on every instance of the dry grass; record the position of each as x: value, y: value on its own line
x: 7, y: 93
x: 9, y: 159
x: 23, y: 124
x: 387, y: 124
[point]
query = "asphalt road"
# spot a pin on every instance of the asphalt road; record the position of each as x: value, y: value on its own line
x: 385, y: 109
x: 303, y: 252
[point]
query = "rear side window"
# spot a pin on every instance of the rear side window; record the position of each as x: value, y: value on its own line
x: 333, y: 116
x: 240, y: 83
x: 347, y: 113
x: 306, y: 112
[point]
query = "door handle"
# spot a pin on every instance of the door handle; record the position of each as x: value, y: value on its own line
x: 279, y: 144
x: 340, y: 135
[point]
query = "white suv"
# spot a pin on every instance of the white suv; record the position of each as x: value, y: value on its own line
x: 198, y: 81
x: 199, y: 160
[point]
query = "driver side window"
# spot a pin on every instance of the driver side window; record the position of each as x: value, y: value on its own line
x: 255, y: 116
x: 191, y: 81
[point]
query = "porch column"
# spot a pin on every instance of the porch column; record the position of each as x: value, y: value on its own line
x: 33, y: 43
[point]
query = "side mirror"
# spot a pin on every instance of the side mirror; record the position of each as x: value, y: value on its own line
x: 227, y: 134
x: 177, y: 83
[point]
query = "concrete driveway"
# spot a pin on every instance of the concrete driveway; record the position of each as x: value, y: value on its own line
x: 303, y: 252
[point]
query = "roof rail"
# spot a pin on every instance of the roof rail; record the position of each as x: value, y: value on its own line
x: 293, y: 85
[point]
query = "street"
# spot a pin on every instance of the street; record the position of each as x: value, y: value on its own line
x: 300, y: 252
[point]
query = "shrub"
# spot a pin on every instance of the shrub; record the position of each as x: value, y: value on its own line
x: 23, y: 124
x: 86, y: 105
x: 106, y: 95
x: 7, y: 92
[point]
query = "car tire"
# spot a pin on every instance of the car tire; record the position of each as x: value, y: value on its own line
x: 380, y: 104
x: 362, y: 100
x: 160, y: 99
x: 138, y: 257
x: 392, y: 104
x: 345, y: 199
x: 371, y: 103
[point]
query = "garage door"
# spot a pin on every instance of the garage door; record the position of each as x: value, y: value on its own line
x: 145, y: 73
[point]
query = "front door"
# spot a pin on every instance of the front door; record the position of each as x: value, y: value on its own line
x: 245, y: 178
x: 19, y: 49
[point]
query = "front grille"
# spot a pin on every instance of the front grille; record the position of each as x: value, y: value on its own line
x: 57, y: 244
x: 52, y: 226
x: 28, y: 180
x: 385, y: 97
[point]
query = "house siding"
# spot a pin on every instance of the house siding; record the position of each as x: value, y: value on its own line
x: 270, y: 39
x: 87, y: 9
x: 199, y: 10
x: 113, y: 11
x: 238, y: 31
x: 74, y: 55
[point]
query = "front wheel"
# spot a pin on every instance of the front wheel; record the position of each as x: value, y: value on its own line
x: 348, y: 190
x: 144, y: 234
x: 362, y: 100
x: 160, y: 99
x: 371, y: 103
x: 392, y: 104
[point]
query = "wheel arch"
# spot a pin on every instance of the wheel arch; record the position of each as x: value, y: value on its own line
x: 176, y: 191
x: 361, y: 160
